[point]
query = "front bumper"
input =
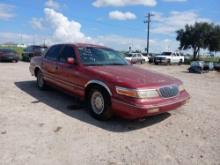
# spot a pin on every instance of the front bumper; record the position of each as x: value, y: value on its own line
x: 159, y: 60
x: 134, y: 111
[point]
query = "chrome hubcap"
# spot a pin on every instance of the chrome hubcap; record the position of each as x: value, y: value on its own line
x: 97, y: 102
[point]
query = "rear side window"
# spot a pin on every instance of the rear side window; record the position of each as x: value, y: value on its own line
x: 28, y: 49
x: 53, y: 52
x: 68, y: 51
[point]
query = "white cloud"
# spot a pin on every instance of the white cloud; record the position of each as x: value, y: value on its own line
x: 22, y: 38
x: 52, y: 4
x: 163, y: 24
x: 118, y: 15
x: 104, y: 3
x: 122, y: 43
x: 6, y: 11
x: 64, y: 30
x: 174, y: 0
x: 37, y: 23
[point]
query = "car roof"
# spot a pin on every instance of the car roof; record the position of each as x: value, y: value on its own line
x: 40, y: 46
x: 5, y: 49
x: 82, y: 45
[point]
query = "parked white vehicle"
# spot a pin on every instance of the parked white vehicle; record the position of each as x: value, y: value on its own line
x: 136, y: 58
x: 169, y: 58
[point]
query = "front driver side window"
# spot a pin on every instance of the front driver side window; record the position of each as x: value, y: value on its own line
x: 67, y: 52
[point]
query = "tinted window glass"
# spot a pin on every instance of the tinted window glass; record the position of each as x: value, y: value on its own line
x: 28, y: 49
x: 101, y: 56
x: 7, y: 51
x: 67, y: 52
x: 53, y: 52
x: 166, y: 53
x: 128, y: 55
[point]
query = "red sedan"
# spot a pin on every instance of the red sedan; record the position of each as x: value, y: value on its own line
x: 104, y: 79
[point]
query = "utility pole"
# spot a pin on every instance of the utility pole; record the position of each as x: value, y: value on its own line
x: 148, y: 16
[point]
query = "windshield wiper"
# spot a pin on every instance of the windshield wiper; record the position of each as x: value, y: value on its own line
x: 94, y: 64
x: 117, y: 64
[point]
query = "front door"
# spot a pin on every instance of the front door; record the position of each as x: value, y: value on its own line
x: 69, y: 74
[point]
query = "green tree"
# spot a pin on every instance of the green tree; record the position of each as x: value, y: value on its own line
x: 213, y: 40
x: 196, y: 37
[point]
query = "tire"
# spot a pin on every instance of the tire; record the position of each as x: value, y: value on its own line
x: 99, y: 102
x: 180, y: 62
x: 168, y: 62
x: 40, y: 81
x: 14, y: 61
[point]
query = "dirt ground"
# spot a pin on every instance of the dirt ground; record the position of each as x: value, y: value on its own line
x: 43, y: 128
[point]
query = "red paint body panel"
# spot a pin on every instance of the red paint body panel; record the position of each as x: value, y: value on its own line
x: 74, y: 78
x: 136, y: 110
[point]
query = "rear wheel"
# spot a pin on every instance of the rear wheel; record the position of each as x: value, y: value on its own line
x: 40, y: 80
x: 99, y: 102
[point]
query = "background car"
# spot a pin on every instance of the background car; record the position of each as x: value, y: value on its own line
x: 217, y: 66
x: 33, y: 50
x: 136, y: 58
x: 209, y: 66
x: 169, y: 58
x: 8, y: 55
x: 151, y: 57
x: 197, y: 67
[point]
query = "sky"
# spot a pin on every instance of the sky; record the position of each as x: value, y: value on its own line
x: 113, y: 23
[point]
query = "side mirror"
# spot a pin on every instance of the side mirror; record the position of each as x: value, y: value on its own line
x: 70, y: 60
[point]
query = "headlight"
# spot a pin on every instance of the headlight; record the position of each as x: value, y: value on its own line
x: 181, y: 88
x: 137, y: 93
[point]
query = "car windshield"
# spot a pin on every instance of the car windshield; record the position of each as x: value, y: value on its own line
x: 39, y: 48
x: 128, y: 55
x: 166, y: 54
x: 101, y: 56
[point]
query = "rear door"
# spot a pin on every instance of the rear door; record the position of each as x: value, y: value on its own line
x: 49, y: 64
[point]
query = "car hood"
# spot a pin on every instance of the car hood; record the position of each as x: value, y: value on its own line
x: 133, y: 77
x: 162, y: 56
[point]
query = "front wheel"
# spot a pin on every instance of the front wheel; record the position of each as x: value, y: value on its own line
x: 40, y: 81
x: 99, y: 102
x: 181, y: 62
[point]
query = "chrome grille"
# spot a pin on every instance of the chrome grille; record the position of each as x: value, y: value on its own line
x: 169, y: 91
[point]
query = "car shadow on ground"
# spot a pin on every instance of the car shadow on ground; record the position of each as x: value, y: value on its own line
x: 71, y: 107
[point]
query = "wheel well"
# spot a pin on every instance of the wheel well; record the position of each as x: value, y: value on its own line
x: 36, y: 70
x: 92, y: 86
